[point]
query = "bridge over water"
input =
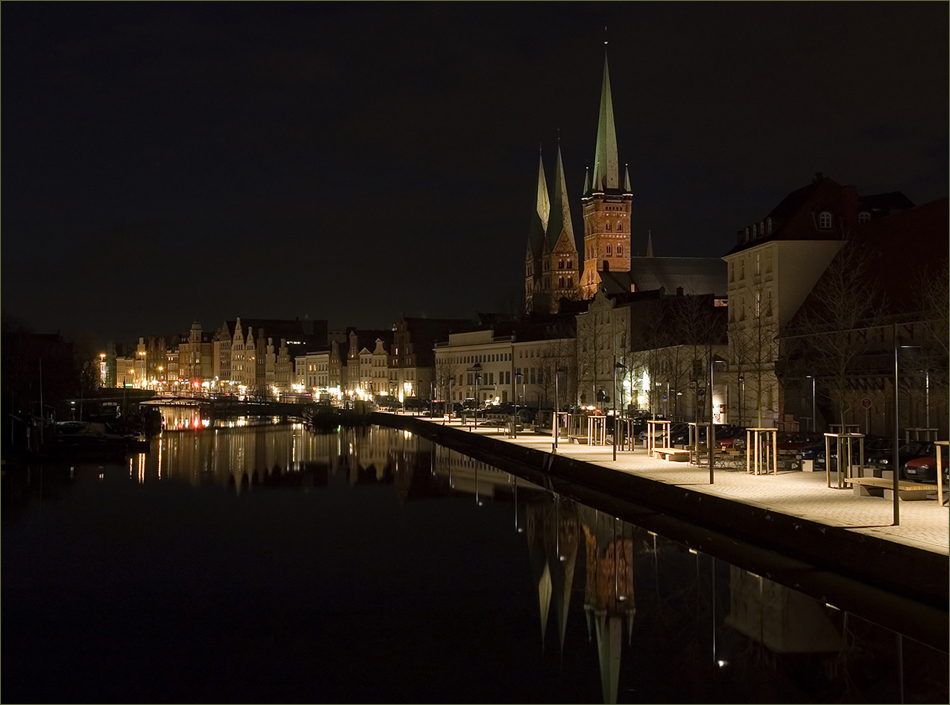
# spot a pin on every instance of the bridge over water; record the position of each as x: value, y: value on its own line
x: 229, y: 406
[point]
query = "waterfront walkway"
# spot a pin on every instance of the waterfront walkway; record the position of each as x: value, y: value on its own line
x: 924, y: 524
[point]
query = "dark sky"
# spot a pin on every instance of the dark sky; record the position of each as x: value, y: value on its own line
x: 166, y: 162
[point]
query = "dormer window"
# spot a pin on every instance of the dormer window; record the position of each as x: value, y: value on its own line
x: 864, y: 217
x: 747, y: 234
x: 769, y: 226
x: 824, y: 220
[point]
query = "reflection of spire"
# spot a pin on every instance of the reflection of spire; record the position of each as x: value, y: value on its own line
x: 608, y: 594
x: 562, y: 558
x: 537, y: 555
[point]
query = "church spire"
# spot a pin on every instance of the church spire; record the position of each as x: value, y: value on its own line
x: 606, y: 170
x: 649, y: 243
x: 542, y: 212
x: 560, y: 220
x: 544, y: 202
x: 626, y: 179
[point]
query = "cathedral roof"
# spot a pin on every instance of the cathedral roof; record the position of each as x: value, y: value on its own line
x: 697, y: 275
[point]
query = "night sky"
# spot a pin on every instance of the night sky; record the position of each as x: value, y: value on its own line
x: 167, y: 162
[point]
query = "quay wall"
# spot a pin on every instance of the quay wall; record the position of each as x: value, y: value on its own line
x: 900, y: 583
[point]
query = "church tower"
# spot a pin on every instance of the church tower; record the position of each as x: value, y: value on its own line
x: 536, y: 238
x: 606, y: 205
x: 560, y: 261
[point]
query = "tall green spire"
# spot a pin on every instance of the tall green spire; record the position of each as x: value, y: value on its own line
x: 560, y: 220
x: 626, y: 179
x: 606, y: 171
x: 542, y: 212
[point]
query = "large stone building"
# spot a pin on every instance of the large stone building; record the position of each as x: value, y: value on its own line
x: 513, y: 361
x: 773, y: 267
x: 883, y: 295
x: 607, y: 203
x: 552, y: 262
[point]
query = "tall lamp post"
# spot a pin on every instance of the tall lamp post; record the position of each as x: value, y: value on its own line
x: 557, y: 406
x: 814, y: 420
x: 623, y: 376
x: 477, y: 371
x: 897, y: 469
x: 518, y: 378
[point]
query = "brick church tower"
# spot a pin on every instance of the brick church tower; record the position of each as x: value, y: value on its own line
x: 606, y: 205
x: 551, y: 265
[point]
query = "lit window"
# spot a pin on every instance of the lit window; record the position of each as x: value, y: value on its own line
x: 824, y: 220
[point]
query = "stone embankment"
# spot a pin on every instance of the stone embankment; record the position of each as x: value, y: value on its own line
x: 897, y: 583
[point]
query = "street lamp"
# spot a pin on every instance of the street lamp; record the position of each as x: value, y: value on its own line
x: 477, y: 371
x: 897, y: 469
x: 519, y: 381
x: 557, y: 406
x: 618, y: 366
x: 814, y: 420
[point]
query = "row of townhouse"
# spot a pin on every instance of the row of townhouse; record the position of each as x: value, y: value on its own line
x: 254, y: 356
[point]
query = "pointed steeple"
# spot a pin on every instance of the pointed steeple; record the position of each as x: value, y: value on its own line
x: 606, y: 170
x: 542, y: 213
x: 626, y: 179
x: 586, y: 180
x: 649, y: 243
x: 544, y: 202
x: 560, y: 220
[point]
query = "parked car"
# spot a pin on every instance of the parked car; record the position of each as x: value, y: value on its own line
x: 880, y: 453
x: 730, y: 436
x: 798, y: 441
x: 924, y: 467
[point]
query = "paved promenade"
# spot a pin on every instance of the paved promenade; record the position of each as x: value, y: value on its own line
x: 923, y: 523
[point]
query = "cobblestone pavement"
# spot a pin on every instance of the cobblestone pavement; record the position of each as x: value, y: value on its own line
x: 923, y: 523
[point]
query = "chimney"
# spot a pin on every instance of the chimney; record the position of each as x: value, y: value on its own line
x: 679, y: 291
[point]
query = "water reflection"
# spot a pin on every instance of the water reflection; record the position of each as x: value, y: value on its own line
x: 636, y: 617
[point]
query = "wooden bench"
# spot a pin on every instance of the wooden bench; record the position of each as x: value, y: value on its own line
x: 906, y: 489
x: 677, y: 454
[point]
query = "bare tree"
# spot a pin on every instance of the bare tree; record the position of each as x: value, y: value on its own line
x: 931, y: 290
x: 446, y: 371
x: 835, y: 326
x: 699, y: 329
x: 594, y: 350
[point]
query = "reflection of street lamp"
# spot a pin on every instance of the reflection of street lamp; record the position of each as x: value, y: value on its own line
x: 477, y: 371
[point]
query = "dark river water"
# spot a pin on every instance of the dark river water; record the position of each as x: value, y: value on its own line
x: 264, y: 563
